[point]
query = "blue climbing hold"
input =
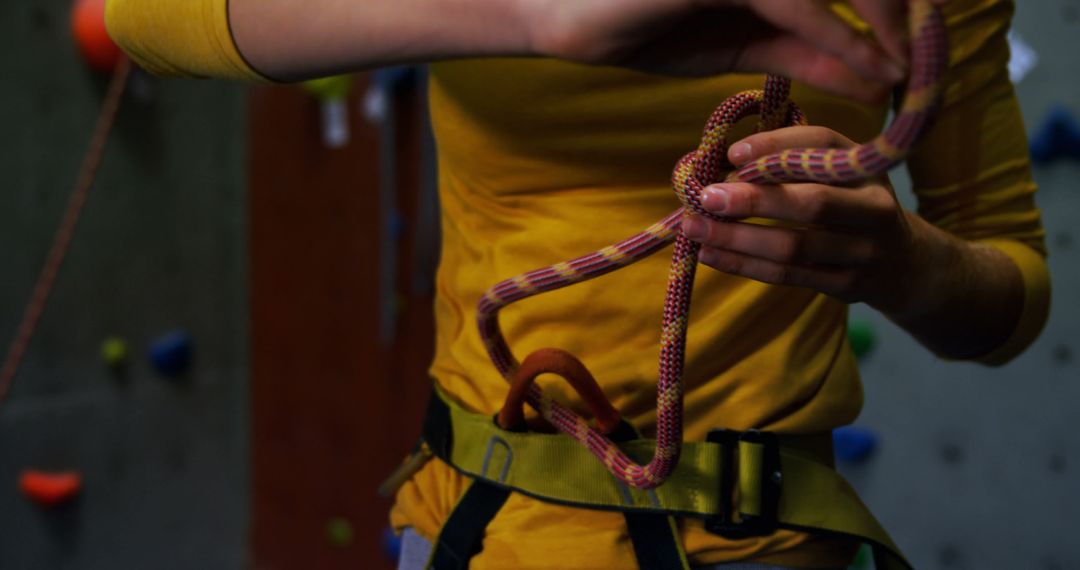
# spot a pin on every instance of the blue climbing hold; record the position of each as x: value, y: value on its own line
x: 397, y: 225
x: 171, y: 354
x: 391, y: 544
x: 854, y: 444
x: 1058, y: 136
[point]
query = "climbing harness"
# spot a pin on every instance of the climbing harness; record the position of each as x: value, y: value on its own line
x: 732, y: 482
x: 692, y: 174
x: 740, y: 483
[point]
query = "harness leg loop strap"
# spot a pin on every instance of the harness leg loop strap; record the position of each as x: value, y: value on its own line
x: 462, y: 535
x: 656, y: 541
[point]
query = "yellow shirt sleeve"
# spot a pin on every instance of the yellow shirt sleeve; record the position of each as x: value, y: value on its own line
x: 972, y: 172
x: 1036, y: 277
x: 179, y: 38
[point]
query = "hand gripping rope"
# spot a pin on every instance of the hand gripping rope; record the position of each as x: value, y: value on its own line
x: 698, y: 169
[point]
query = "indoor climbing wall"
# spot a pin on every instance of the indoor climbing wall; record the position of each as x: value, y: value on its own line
x: 161, y: 445
x: 969, y: 467
x: 975, y: 467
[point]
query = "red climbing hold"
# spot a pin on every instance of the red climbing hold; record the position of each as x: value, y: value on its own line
x: 50, y: 489
x: 88, y: 27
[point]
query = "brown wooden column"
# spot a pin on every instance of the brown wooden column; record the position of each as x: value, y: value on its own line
x: 333, y: 409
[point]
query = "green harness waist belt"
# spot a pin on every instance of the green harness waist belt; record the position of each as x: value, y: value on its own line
x: 741, y: 483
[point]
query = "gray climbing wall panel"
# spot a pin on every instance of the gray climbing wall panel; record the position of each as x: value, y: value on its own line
x: 161, y: 246
x: 979, y: 468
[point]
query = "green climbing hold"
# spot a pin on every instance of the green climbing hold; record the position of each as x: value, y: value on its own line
x: 862, y: 337
x: 333, y: 88
x: 339, y: 531
x: 862, y: 558
x: 114, y: 351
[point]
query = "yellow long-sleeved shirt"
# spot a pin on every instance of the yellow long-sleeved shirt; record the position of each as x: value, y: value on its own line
x: 542, y: 161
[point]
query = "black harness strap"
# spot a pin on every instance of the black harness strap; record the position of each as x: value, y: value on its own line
x: 654, y: 535
x: 462, y: 535
x: 656, y: 543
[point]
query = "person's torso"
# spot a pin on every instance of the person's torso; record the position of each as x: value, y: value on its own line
x: 543, y: 161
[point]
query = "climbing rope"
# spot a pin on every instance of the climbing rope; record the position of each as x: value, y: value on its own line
x: 62, y: 241
x: 706, y: 165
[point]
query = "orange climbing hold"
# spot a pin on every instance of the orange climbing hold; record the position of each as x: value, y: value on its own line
x: 50, y: 489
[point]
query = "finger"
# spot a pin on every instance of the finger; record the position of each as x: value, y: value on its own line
x: 815, y: 23
x: 758, y: 145
x: 804, y: 62
x: 782, y: 245
x: 831, y: 281
x: 871, y: 206
x: 888, y: 19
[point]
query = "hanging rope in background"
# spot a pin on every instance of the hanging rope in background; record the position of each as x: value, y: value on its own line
x: 62, y: 241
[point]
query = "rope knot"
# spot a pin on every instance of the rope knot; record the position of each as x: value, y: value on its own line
x: 708, y: 163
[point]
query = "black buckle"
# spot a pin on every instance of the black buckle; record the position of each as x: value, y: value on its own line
x: 725, y: 523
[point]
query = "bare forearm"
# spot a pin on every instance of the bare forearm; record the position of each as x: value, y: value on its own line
x: 292, y: 39
x: 287, y: 40
x: 959, y: 299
